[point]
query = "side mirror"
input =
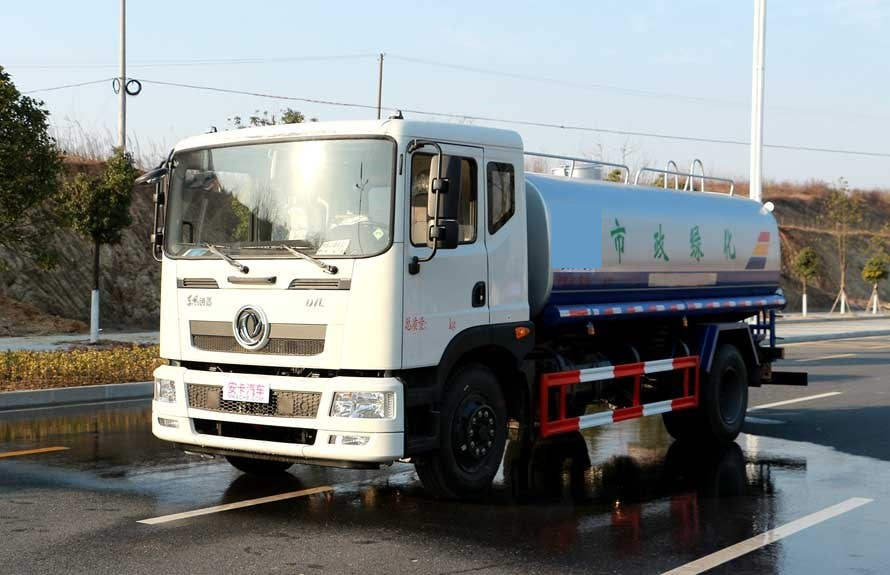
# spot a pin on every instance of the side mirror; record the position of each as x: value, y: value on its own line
x: 442, y: 207
x: 157, y: 235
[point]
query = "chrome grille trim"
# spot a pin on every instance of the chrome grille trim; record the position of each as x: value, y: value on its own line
x: 197, y: 283
x: 276, y: 346
x: 282, y: 403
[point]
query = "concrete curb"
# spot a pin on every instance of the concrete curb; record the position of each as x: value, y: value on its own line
x: 68, y: 395
x: 143, y: 389
x: 830, y: 336
x: 817, y: 319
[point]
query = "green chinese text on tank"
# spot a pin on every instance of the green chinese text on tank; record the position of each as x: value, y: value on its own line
x: 617, y: 234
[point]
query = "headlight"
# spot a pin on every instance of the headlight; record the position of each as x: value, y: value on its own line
x: 165, y: 390
x: 364, y: 404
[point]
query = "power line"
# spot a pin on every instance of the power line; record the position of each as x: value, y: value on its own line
x: 263, y: 95
x: 639, y: 92
x: 564, y: 82
x: 197, y: 62
x: 530, y: 123
x: 625, y: 90
x: 79, y: 84
x: 451, y: 115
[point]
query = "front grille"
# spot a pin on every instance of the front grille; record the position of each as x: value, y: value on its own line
x: 259, y: 432
x: 276, y: 346
x: 320, y: 283
x: 282, y: 403
x: 201, y: 283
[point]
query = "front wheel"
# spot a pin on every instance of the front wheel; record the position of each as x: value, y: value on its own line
x: 473, y: 435
x: 723, y: 402
x: 258, y: 466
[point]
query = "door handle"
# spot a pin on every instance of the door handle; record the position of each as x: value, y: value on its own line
x: 478, y: 297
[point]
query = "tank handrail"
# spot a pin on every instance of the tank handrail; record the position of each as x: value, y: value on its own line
x: 685, y: 175
x: 583, y: 161
x: 690, y: 184
x: 664, y: 181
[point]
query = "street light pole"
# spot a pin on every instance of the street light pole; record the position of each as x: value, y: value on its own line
x: 756, y: 177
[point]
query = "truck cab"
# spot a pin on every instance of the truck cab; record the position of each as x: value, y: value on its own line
x: 321, y: 283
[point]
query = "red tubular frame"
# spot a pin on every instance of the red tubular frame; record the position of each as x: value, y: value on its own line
x: 563, y: 379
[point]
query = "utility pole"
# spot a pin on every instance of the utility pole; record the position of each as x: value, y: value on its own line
x: 756, y: 178
x: 380, y: 85
x: 122, y: 93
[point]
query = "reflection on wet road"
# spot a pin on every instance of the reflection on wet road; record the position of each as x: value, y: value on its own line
x: 623, y: 498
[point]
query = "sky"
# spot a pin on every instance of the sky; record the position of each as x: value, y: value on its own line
x: 679, y: 68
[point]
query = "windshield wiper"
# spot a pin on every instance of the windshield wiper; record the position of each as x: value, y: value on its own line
x: 219, y: 253
x: 326, y: 267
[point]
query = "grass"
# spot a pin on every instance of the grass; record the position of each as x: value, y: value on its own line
x: 20, y: 370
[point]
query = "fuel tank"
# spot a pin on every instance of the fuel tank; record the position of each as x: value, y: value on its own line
x: 593, y: 242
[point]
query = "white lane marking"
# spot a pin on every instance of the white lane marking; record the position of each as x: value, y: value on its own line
x: 834, y: 342
x: 236, y: 505
x: 797, y: 400
x: 763, y: 421
x: 877, y: 347
x: 823, y: 357
x: 767, y: 537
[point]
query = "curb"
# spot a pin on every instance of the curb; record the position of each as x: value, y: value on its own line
x: 831, y: 336
x: 69, y: 395
x: 801, y: 320
x: 144, y: 389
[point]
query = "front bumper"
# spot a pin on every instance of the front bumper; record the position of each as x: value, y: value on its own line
x: 385, y: 441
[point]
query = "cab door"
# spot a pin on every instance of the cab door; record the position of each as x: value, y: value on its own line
x: 449, y: 293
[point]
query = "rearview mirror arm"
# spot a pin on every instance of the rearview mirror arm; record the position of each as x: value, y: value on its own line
x: 414, y: 145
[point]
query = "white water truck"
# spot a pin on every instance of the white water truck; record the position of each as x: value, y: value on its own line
x: 352, y: 294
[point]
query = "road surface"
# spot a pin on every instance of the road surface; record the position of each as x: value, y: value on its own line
x: 806, y: 489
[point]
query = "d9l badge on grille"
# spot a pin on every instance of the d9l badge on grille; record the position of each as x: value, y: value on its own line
x: 251, y: 328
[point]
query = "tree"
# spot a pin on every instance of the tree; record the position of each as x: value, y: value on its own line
x: 806, y: 266
x: 615, y: 175
x: 874, y: 271
x: 29, y: 173
x: 843, y: 210
x: 264, y: 118
x: 98, y: 208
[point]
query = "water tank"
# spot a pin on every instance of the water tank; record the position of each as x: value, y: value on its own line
x: 593, y: 242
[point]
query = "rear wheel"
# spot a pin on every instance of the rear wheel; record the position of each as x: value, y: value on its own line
x: 723, y: 402
x: 473, y: 434
x: 258, y: 466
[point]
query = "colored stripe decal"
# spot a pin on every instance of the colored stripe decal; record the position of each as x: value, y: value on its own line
x: 752, y: 305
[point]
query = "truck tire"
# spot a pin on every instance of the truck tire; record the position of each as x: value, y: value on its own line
x: 258, y: 466
x: 723, y: 402
x: 473, y: 435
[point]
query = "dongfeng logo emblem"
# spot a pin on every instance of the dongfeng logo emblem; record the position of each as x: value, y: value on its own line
x: 251, y: 328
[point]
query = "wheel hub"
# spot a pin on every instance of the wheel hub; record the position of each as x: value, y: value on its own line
x: 475, y: 431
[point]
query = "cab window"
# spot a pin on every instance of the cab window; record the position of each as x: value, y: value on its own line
x: 501, y: 194
x: 421, y: 180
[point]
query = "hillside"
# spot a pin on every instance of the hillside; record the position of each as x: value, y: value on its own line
x: 130, y: 276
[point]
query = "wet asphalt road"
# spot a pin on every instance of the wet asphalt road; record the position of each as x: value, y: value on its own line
x: 627, y: 499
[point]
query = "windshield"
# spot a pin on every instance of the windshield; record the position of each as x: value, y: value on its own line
x: 327, y: 198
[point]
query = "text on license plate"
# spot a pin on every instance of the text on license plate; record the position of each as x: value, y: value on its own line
x: 241, y: 391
